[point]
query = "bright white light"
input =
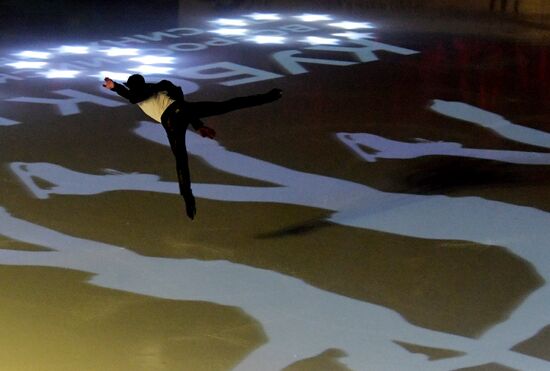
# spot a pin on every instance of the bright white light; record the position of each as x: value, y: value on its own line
x: 313, y: 17
x: 119, y: 76
x: 354, y: 35
x: 73, y: 49
x: 230, y: 22
x: 264, y: 17
x: 230, y: 31
x: 27, y: 64
x: 147, y: 69
x: 151, y: 59
x: 352, y: 25
x: 314, y: 40
x: 32, y: 54
x: 116, y: 52
x: 60, y: 74
x: 268, y: 39
x: 7, y: 122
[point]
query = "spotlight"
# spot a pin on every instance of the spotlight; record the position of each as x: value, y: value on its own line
x: 147, y: 69
x: 27, y: 65
x: 230, y: 22
x: 60, y: 74
x: 120, y: 76
x: 268, y: 39
x: 314, y: 40
x: 116, y: 52
x: 264, y: 17
x: 354, y: 35
x: 352, y: 25
x: 314, y: 17
x: 67, y: 49
x: 151, y: 59
x: 230, y: 31
x: 33, y: 54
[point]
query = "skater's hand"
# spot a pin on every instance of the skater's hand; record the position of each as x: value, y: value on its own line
x: 207, y: 132
x: 109, y: 84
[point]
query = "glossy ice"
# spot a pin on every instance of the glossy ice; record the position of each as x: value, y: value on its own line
x: 389, y: 213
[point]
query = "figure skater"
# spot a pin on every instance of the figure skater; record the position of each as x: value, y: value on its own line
x: 164, y: 102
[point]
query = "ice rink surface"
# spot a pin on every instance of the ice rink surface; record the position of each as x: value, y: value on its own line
x: 390, y: 212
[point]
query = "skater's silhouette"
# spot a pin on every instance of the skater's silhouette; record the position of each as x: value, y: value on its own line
x: 164, y: 102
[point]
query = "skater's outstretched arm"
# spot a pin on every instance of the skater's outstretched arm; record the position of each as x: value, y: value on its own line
x: 132, y: 96
x: 136, y: 96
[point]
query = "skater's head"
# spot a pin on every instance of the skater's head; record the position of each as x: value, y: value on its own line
x: 135, y: 82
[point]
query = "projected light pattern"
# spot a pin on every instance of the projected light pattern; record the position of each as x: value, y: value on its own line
x: 120, y: 76
x: 7, y: 122
x: 148, y: 69
x: 60, y: 74
x: 354, y: 35
x: 151, y: 59
x: 352, y: 25
x: 230, y: 22
x: 316, y: 22
x: 268, y: 39
x: 269, y: 29
x: 313, y: 17
x: 67, y: 49
x: 230, y: 31
x: 33, y: 54
x: 314, y: 40
x: 27, y: 64
x: 264, y: 16
x: 424, y: 216
x: 117, y: 52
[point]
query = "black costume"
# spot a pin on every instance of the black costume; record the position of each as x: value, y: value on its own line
x: 179, y: 114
